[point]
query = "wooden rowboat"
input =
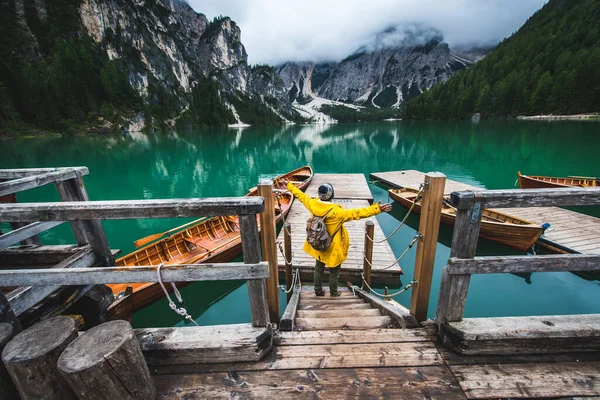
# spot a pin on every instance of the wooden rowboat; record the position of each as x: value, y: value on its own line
x: 208, y: 240
x: 499, y: 227
x: 541, y: 182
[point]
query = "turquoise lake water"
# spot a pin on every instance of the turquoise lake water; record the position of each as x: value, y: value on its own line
x: 228, y: 162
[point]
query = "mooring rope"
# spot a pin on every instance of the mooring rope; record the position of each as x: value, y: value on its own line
x: 410, y: 246
x: 421, y: 188
x: 179, y: 310
x: 294, y: 279
x: 408, y: 286
x: 282, y: 252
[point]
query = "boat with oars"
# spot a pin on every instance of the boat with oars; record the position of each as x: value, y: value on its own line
x: 544, y: 182
x: 206, y: 240
x: 497, y: 226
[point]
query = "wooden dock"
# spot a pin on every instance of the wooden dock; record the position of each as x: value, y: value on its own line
x: 351, y: 191
x: 571, y: 232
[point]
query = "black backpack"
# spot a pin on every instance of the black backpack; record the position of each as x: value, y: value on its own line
x: 316, y: 232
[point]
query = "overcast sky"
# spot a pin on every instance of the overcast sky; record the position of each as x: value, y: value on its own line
x: 275, y: 31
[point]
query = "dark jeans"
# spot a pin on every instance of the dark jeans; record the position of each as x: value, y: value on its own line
x: 334, y: 275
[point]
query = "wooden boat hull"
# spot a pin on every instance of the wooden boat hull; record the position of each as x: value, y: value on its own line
x: 209, y: 241
x: 519, y: 234
x: 545, y: 182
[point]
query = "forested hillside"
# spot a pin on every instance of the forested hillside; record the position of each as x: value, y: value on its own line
x: 550, y: 65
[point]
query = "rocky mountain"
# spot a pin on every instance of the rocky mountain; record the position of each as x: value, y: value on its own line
x: 127, y: 64
x: 383, y: 74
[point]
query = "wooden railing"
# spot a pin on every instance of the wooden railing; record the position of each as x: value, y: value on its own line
x: 463, y: 263
x: 91, y: 212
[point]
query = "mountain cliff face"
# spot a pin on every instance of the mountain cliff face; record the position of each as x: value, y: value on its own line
x: 380, y: 75
x: 124, y: 64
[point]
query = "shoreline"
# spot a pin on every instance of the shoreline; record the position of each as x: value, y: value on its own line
x: 573, y: 117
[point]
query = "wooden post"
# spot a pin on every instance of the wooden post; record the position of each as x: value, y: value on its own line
x: 368, y: 253
x: 106, y: 362
x: 454, y: 288
x: 7, y: 387
x: 89, y: 231
x: 269, y: 246
x: 429, y: 226
x: 257, y: 289
x: 287, y: 251
x: 31, y: 358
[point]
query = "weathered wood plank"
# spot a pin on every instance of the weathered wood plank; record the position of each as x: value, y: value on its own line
x: 334, y: 306
x: 402, y: 316
x: 374, y: 383
x: 25, y: 297
x: 328, y: 355
x: 307, y: 301
x: 16, y: 173
x: 132, y: 274
x: 525, y: 335
x: 454, y: 288
x: 343, y: 322
x: 349, y: 337
x: 515, y: 264
x: 33, y: 181
x: 257, y: 290
x: 130, y: 209
x: 371, y: 312
x: 205, y: 344
x: 368, y: 253
x: 26, y: 232
x: 526, y: 198
x: 287, y: 320
x: 34, y: 256
x: 529, y: 380
x: 268, y: 238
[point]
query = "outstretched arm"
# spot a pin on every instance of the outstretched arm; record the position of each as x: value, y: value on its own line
x: 359, y: 213
x: 300, y: 195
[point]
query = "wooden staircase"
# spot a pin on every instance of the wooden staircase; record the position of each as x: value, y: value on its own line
x: 347, y: 312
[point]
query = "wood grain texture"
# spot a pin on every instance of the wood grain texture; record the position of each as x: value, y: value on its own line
x: 399, y: 314
x: 349, y: 337
x: 31, y: 359
x: 429, y: 226
x: 529, y: 380
x: 28, y: 295
x: 269, y: 250
x: 368, y: 253
x: 343, y: 322
x: 516, y: 264
x: 287, y: 320
x: 17, y: 173
x: 346, y: 186
x: 26, y: 232
x: 205, y: 344
x: 130, y: 209
x: 527, y: 198
x: 373, y: 383
x: 33, y: 181
x: 131, y: 274
x: 287, y: 254
x: 106, y: 362
x: 7, y: 387
x: 257, y: 290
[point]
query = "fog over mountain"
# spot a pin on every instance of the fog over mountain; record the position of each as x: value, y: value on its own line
x: 276, y: 31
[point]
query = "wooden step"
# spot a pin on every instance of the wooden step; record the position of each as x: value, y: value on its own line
x: 306, y: 324
x: 333, y: 300
x: 352, y: 337
x: 372, y: 312
x: 334, y: 306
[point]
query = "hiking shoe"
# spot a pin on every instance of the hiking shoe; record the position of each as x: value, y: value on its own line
x: 336, y: 294
x: 320, y: 294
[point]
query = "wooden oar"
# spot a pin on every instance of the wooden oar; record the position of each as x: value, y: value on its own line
x: 151, y: 238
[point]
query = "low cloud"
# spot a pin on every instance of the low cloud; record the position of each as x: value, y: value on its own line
x: 275, y: 31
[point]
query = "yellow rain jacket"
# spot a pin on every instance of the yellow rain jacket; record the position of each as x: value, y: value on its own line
x: 337, y: 253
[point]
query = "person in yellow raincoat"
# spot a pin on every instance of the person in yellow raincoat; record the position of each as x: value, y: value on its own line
x: 337, y: 253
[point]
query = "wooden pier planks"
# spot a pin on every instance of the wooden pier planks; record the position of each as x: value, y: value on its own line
x: 572, y: 231
x: 353, y: 193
